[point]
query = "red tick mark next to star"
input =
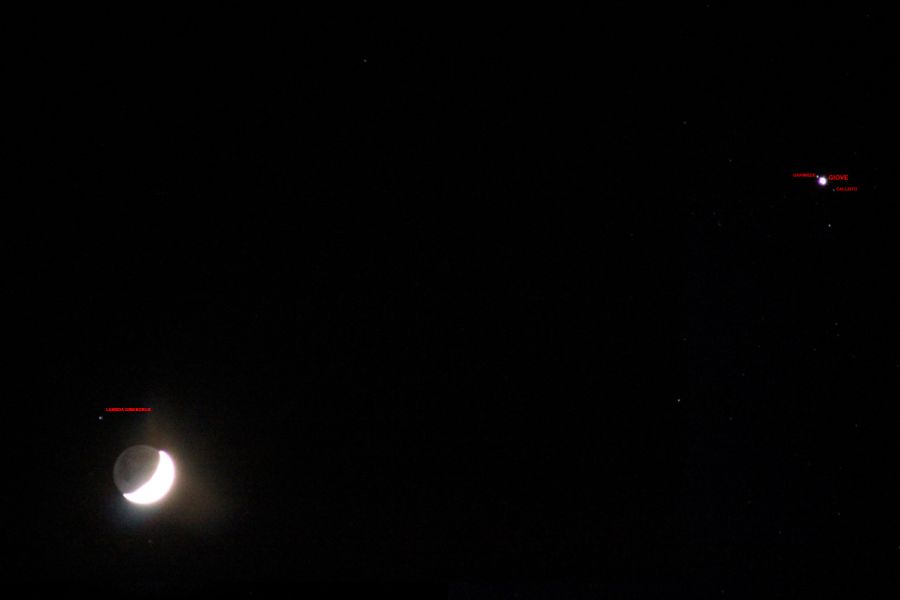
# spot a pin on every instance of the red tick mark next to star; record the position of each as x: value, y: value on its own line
x: 129, y: 409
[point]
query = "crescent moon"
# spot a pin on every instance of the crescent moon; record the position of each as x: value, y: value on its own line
x: 158, y: 485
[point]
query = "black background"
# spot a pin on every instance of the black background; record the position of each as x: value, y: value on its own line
x: 528, y: 299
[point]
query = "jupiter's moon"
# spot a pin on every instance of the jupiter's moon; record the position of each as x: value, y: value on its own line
x: 144, y: 474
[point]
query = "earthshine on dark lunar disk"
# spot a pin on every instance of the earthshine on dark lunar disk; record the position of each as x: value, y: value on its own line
x: 144, y: 474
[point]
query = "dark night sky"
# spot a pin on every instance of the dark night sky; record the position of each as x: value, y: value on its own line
x: 494, y: 303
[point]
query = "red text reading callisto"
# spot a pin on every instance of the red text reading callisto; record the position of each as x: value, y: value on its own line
x: 129, y: 409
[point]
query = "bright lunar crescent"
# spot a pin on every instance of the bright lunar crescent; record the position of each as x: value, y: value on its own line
x: 144, y: 474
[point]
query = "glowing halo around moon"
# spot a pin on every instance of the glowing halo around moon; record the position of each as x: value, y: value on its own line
x: 158, y: 485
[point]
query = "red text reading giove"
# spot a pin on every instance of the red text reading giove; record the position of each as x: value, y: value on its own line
x: 129, y: 409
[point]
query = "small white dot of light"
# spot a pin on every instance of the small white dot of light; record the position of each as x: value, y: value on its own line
x: 823, y: 181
